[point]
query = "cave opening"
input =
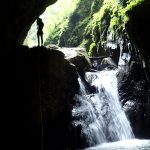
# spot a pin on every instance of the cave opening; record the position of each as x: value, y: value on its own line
x: 54, y: 15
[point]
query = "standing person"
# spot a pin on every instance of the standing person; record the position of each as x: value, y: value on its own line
x: 40, y: 26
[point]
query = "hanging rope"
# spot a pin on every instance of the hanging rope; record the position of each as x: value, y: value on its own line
x: 42, y: 126
x: 40, y: 100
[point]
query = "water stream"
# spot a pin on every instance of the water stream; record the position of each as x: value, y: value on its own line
x: 100, y: 116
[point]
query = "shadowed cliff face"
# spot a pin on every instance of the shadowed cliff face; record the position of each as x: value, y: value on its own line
x: 138, y: 29
x: 133, y: 92
x: 138, y: 26
x: 18, y: 18
x: 45, y: 85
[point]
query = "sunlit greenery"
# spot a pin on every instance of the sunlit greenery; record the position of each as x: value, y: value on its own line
x: 52, y: 17
x: 84, y: 23
x: 72, y: 33
x: 130, y: 5
x: 92, y: 46
x: 114, y: 14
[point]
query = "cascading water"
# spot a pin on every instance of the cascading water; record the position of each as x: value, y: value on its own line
x: 100, y: 115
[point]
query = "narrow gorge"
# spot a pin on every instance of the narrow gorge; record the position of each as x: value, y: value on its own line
x: 88, y: 86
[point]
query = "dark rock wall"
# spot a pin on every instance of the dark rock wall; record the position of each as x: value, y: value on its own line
x: 18, y: 17
x: 134, y: 93
x: 139, y: 26
x: 138, y: 29
x: 45, y: 86
x: 135, y: 85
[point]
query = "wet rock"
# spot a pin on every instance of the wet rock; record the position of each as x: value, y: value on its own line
x: 133, y: 91
x: 107, y: 63
x: 79, y: 57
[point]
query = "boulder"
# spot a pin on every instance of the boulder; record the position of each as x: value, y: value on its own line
x: 79, y: 57
x: 107, y: 63
x: 45, y: 86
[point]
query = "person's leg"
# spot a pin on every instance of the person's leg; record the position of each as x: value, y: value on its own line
x: 41, y: 39
x: 38, y: 40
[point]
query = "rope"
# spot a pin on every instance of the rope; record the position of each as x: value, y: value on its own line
x: 40, y: 99
x: 42, y: 125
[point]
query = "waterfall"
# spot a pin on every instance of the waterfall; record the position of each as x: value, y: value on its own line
x: 100, y: 116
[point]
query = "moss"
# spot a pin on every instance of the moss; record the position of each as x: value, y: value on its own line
x: 98, y: 27
x: 89, y: 24
x: 130, y: 6
x: 72, y: 35
x: 91, y: 49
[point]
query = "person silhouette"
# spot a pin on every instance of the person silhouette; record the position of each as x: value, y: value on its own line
x: 40, y: 26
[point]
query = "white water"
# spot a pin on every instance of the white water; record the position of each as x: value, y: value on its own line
x: 100, y: 116
x: 133, y: 144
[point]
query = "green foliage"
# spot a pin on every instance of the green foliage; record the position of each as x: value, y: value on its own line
x: 111, y: 16
x: 53, y: 18
x: 86, y: 23
x: 91, y: 49
x: 114, y: 22
x: 78, y: 21
x: 131, y: 4
x: 98, y: 26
